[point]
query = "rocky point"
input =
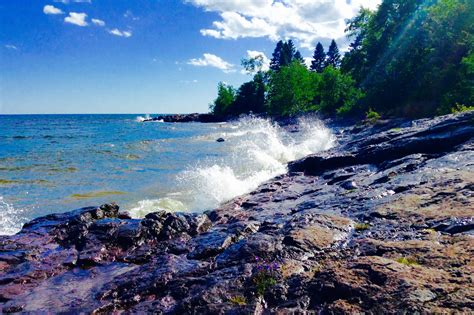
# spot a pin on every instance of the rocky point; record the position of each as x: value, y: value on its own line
x: 382, y: 223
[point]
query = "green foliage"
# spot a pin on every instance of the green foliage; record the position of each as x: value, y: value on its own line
x: 333, y: 57
x: 416, y: 48
x: 276, y: 56
x: 408, y: 261
x: 238, y: 300
x: 284, y: 55
x: 292, y: 89
x: 252, y: 65
x: 225, y: 99
x: 337, y: 92
x: 250, y: 97
x: 263, y: 280
x: 319, y: 58
x: 372, y: 116
x: 458, y: 108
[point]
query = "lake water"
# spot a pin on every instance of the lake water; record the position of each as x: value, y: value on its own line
x: 56, y: 163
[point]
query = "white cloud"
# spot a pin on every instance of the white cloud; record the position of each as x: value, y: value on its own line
x: 98, y: 22
x: 120, y: 33
x: 12, y: 47
x: 306, y: 21
x: 210, y: 60
x: 129, y: 15
x: 76, y: 19
x: 49, y: 9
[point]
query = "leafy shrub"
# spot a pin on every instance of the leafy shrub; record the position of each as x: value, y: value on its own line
x: 372, y: 116
x: 459, y: 108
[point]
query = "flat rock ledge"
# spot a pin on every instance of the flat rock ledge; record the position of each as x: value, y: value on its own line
x: 383, y: 223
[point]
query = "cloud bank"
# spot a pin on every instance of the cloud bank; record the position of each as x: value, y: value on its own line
x: 306, y: 21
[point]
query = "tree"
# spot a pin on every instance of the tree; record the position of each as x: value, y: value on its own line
x: 253, y: 65
x: 337, y: 92
x: 297, y: 57
x: 319, y: 58
x: 291, y: 90
x: 224, y: 101
x: 276, y: 56
x: 333, y: 56
x: 416, y: 48
x: 250, y: 97
x: 287, y: 53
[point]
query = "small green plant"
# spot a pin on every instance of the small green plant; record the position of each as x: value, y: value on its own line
x: 459, y: 108
x: 265, y: 276
x: 238, y: 300
x: 361, y: 226
x: 408, y: 261
x: 372, y: 116
x: 395, y: 130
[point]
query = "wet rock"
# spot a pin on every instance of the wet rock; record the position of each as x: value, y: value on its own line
x: 349, y: 185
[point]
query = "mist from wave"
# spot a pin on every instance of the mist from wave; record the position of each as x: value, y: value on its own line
x: 256, y: 151
x: 11, y: 219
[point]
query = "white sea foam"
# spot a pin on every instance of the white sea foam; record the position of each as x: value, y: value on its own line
x: 257, y: 150
x: 146, y: 206
x: 143, y: 118
x: 10, y: 218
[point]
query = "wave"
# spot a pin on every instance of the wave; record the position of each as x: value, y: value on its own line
x: 142, y: 118
x: 256, y: 150
x: 11, y: 219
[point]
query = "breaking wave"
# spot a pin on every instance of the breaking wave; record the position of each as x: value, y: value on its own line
x: 255, y: 151
x: 143, y: 118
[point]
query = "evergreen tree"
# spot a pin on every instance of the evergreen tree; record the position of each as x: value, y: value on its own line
x: 287, y: 53
x: 319, y: 58
x: 297, y: 57
x: 333, y: 56
x: 276, y: 56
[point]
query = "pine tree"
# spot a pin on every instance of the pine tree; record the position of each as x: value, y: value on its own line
x: 319, y: 58
x: 287, y: 53
x: 297, y: 56
x: 333, y: 56
x: 276, y: 57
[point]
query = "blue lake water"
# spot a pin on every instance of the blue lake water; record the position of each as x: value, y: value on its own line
x: 56, y: 163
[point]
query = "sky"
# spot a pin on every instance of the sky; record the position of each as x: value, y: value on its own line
x: 148, y: 56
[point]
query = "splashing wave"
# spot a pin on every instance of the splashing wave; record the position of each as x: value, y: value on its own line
x: 256, y: 151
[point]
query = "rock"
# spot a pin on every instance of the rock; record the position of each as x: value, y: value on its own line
x: 220, y: 140
x: 349, y: 185
x: 203, y: 118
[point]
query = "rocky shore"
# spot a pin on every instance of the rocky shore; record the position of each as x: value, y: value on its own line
x: 195, y: 117
x: 383, y: 223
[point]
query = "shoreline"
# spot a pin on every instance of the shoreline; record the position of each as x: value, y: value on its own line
x: 384, y: 221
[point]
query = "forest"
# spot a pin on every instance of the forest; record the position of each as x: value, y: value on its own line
x: 408, y: 58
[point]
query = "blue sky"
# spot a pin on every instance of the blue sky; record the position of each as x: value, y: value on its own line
x: 146, y: 56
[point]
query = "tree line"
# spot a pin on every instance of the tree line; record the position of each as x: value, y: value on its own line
x: 407, y: 58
